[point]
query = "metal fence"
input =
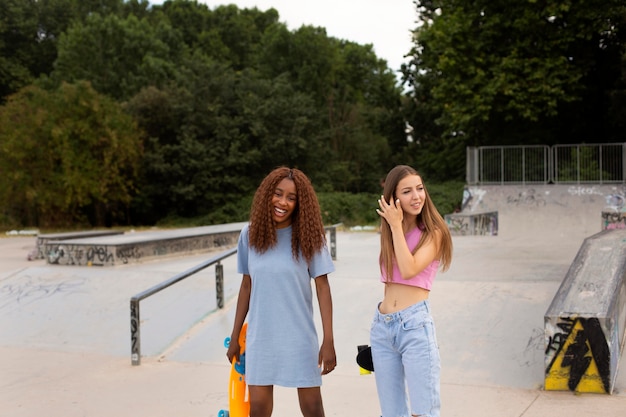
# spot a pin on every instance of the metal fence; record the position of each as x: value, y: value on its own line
x: 560, y: 164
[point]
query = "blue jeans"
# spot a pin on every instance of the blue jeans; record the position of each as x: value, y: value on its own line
x: 406, y: 361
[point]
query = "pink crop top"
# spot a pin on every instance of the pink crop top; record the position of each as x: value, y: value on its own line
x: 425, y: 278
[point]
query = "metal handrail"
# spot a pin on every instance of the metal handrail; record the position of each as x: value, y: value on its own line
x: 135, y: 334
x: 135, y: 326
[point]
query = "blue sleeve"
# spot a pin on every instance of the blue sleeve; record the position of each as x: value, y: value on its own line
x: 321, y: 264
x: 242, y: 252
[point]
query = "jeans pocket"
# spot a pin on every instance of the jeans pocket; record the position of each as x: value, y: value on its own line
x: 413, y: 323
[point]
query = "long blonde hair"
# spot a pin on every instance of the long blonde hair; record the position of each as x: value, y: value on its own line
x: 429, y: 221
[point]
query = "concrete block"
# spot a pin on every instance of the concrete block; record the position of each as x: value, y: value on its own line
x: 584, y: 325
x: 473, y: 223
x: 48, y: 237
x: 142, y: 246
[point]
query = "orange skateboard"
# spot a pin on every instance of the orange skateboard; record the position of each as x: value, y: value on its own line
x: 238, y: 399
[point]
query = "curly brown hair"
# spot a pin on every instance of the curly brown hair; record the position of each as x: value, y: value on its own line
x: 428, y: 221
x: 308, y: 236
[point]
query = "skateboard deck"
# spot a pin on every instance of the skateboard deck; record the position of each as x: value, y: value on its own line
x: 364, y: 358
x: 238, y: 399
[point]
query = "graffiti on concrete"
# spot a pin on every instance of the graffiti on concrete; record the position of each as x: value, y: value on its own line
x: 614, y: 213
x: 472, y: 198
x: 126, y: 253
x: 134, y: 332
x: 528, y: 197
x: 484, y: 223
x: 111, y: 255
x: 615, y: 201
x: 99, y: 255
x: 578, y: 190
x: 63, y: 254
x: 577, y: 355
x: 613, y: 220
x: 29, y: 290
x: 467, y: 197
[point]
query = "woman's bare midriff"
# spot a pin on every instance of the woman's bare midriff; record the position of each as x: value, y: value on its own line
x: 399, y: 296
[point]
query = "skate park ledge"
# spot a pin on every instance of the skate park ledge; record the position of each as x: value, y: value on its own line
x: 127, y: 248
x: 584, y: 324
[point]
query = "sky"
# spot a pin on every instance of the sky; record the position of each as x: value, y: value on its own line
x: 386, y: 24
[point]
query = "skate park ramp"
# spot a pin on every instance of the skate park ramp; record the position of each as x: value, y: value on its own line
x: 66, y: 335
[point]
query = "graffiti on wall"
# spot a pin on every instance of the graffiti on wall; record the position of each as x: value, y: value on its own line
x: 111, y: 255
x: 74, y: 254
x: 473, y: 223
x: 612, y: 220
x: 578, y: 356
x: 128, y: 252
x: 528, y: 197
x: 580, y: 191
x: 614, y: 214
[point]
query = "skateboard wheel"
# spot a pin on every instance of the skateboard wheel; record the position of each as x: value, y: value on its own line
x: 226, y: 344
x: 223, y: 413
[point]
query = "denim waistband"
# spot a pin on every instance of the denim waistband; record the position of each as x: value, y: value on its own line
x: 403, y: 314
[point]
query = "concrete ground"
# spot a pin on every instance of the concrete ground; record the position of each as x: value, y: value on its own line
x: 65, y: 333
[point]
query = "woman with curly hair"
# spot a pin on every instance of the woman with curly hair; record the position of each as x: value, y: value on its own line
x: 281, y: 249
x: 415, y: 243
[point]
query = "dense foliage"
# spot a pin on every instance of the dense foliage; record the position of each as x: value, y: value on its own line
x: 121, y: 112
x: 496, y: 72
x: 73, y: 156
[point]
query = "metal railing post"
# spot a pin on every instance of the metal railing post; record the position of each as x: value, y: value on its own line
x: 332, y: 231
x: 219, y: 284
x: 135, y: 337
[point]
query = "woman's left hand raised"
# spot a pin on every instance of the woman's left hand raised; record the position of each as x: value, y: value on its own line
x: 390, y: 211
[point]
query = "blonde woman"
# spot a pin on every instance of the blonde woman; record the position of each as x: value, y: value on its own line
x: 415, y: 244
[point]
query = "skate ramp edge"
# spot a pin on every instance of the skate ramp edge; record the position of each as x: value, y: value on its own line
x: 547, y: 211
x: 584, y: 325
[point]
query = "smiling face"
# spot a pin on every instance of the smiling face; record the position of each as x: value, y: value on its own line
x: 284, y: 203
x: 410, y: 191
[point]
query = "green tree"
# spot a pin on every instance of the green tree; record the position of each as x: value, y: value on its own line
x: 223, y: 96
x: 30, y: 31
x: 241, y: 32
x: 227, y: 34
x: 496, y: 72
x: 354, y: 92
x: 68, y: 157
x: 214, y: 136
x: 18, y: 30
x: 119, y: 56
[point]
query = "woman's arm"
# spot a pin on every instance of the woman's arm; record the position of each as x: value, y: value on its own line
x: 243, y: 304
x: 412, y: 264
x: 327, y: 357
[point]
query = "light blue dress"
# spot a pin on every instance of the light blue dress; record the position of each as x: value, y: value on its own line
x: 282, y: 346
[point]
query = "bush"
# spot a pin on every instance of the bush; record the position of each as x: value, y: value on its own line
x: 447, y: 196
x: 337, y: 207
x: 349, y: 209
x: 360, y: 209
